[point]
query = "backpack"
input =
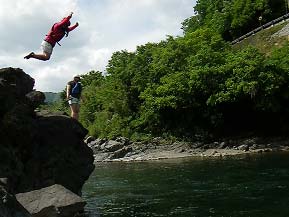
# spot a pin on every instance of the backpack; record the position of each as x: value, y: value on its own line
x: 76, y: 89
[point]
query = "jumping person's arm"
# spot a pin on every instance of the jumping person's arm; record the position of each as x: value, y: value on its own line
x: 65, y: 20
x: 73, y: 27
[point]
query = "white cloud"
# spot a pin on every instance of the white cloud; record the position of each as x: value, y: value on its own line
x: 105, y: 26
x: 97, y: 59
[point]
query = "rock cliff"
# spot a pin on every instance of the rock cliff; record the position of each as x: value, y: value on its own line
x: 36, y: 150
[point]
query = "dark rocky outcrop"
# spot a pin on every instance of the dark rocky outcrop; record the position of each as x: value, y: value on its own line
x: 38, y: 150
x: 9, y: 206
x: 51, y: 201
x: 36, y: 98
x: 14, y: 84
x: 58, y: 155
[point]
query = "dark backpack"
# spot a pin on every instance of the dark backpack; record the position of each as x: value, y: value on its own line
x: 76, y: 89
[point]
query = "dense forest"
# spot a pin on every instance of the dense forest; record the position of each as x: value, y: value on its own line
x: 196, y: 85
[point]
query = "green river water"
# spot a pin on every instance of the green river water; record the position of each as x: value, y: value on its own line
x: 249, y: 186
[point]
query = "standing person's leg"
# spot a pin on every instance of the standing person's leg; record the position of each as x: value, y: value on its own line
x: 74, y: 107
x: 75, y: 110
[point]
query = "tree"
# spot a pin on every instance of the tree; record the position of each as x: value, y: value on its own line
x: 233, y: 18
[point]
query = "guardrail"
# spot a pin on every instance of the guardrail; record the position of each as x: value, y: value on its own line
x: 265, y: 26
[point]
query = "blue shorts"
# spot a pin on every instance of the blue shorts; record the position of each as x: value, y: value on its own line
x: 73, y: 100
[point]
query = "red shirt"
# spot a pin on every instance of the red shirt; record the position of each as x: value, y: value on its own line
x: 58, y: 31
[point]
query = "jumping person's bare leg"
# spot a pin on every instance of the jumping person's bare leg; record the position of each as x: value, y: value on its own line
x: 44, y: 56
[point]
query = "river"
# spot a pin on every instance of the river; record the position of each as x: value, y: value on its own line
x: 247, y: 185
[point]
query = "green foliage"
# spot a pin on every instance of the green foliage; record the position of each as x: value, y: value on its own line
x: 249, y: 76
x: 195, y: 84
x: 191, y: 24
x: 92, y: 78
x: 60, y: 105
x: 104, y: 110
x: 279, y: 58
x: 233, y: 18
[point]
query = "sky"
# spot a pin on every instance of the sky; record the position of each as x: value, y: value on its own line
x: 105, y: 26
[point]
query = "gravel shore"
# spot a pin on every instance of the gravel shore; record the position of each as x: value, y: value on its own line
x: 124, y: 150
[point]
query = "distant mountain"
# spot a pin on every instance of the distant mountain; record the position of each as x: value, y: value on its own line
x: 52, y: 97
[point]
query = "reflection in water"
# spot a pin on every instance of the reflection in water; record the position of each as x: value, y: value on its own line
x: 254, y: 185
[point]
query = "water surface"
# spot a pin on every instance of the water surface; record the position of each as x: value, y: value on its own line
x: 254, y: 185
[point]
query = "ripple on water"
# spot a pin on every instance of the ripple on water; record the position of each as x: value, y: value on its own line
x: 235, y: 186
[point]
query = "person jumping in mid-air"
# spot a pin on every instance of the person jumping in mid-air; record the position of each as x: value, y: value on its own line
x: 57, y: 32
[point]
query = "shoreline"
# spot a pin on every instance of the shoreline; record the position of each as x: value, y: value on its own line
x: 122, y: 150
x: 210, y: 153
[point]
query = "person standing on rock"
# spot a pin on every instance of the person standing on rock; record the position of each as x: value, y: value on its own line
x: 73, y: 95
x: 56, y: 33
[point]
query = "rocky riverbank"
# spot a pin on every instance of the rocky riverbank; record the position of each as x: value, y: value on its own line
x: 121, y: 149
x: 38, y: 151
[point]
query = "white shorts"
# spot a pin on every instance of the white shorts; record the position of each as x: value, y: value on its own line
x: 46, y: 47
x: 73, y: 100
